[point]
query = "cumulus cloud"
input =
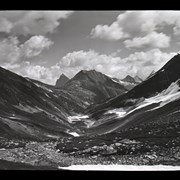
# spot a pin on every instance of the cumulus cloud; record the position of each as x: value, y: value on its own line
x: 113, y: 32
x: 5, y: 25
x: 11, y: 51
x: 35, y: 45
x: 136, y: 23
x: 31, y: 22
x: 141, y: 63
x: 15, y: 56
x: 153, y: 39
x: 145, y: 62
x: 39, y: 72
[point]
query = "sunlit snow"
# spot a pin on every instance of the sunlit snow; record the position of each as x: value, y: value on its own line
x: 120, y: 112
x: 72, y: 119
x: 122, y: 82
x: 170, y: 94
x: 82, y: 118
x: 75, y: 134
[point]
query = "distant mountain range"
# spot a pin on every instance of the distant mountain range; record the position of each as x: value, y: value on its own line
x: 128, y: 82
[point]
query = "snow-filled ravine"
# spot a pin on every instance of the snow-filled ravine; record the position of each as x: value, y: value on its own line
x: 170, y: 94
x: 79, y: 117
x: 121, y: 168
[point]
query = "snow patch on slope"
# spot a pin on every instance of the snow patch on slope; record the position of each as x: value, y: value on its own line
x: 120, y: 112
x: 83, y: 118
x: 72, y: 119
x: 170, y: 94
x: 75, y: 134
x: 122, y: 82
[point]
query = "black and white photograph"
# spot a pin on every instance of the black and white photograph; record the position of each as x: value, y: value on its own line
x: 90, y: 90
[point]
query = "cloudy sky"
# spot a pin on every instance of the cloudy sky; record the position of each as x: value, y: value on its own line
x: 44, y: 44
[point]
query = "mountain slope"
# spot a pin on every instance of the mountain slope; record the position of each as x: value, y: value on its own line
x: 154, y: 98
x: 93, y: 87
x: 69, y: 101
x: 29, y: 110
x: 161, y: 80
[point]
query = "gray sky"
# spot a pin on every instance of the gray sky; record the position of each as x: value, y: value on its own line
x: 44, y: 44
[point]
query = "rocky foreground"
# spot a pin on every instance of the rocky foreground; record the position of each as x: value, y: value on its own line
x: 47, y: 155
x: 152, y: 144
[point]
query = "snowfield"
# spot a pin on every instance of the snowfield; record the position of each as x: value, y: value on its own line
x: 121, y: 168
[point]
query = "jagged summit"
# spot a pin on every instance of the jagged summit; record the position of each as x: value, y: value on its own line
x: 135, y: 80
x: 62, y: 80
x: 129, y: 79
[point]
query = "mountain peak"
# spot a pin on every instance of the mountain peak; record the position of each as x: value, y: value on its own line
x: 89, y: 74
x: 89, y: 71
x: 63, y: 75
x: 130, y: 79
x: 62, y: 80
